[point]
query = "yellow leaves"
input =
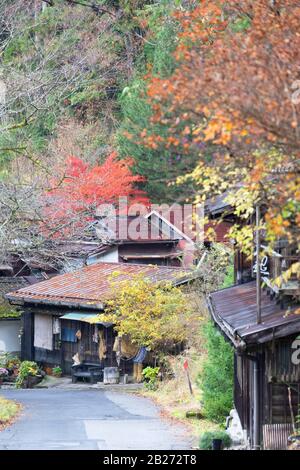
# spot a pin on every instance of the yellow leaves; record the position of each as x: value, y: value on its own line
x: 294, y: 269
x: 243, y: 235
x: 243, y: 201
x: 151, y: 314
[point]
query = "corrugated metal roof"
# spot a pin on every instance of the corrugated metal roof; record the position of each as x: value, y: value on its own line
x: 90, y: 286
x: 234, y: 310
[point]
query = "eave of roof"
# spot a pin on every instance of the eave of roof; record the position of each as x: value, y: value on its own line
x: 89, y: 288
x: 234, y: 311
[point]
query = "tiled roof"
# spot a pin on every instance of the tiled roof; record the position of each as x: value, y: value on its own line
x: 132, y: 229
x: 90, y: 286
x: 7, y: 284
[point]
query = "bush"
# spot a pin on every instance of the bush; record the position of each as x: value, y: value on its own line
x: 27, y: 369
x: 57, y: 371
x: 150, y: 375
x: 216, y: 380
x: 207, y: 438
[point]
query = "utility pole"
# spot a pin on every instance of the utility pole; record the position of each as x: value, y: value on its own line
x: 258, y: 274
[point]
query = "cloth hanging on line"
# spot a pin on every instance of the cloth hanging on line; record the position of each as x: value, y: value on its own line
x: 56, y: 326
x: 102, y: 346
x: 141, y: 355
x: 78, y: 334
x: 67, y: 334
x: 43, y: 331
x: 96, y: 334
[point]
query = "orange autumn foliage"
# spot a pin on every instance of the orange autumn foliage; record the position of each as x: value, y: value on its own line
x: 233, y: 99
x: 80, y: 188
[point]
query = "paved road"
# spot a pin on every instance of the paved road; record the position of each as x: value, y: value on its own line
x: 63, y: 419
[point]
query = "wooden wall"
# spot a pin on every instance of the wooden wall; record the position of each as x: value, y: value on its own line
x: 277, y: 375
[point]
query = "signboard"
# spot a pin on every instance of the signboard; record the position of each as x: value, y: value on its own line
x: 264, y: 267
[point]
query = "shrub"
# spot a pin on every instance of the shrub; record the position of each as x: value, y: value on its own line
x: 57, y: 371
x: 150, y: 375
x: 3, y: 372
x: 207, y: 438
x: 8, y: 409
x: 216, y: 380
x: 27, y: 368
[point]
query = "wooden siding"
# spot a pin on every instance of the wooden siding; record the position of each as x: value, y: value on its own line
x: 275, y: 436
x: 277, y: 374
x: 86, y: 347
x: 279, y: 410
x: 279, y: 365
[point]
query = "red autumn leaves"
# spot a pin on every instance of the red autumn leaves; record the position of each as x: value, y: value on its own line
x: 80, y: 188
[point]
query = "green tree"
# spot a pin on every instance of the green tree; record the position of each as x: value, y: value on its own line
x: 160, y: 168
x: 216, y: 380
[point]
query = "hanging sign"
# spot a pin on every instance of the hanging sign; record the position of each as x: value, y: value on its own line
x: 264, y: 267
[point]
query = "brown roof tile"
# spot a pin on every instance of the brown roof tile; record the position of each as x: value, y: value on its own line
x: 90, y: 286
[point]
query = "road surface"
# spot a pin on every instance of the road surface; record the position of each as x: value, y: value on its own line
x: 92, y: 419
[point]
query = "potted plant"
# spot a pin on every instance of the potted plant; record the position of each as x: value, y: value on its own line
x: 57, y: 371
x: 294, y: 439
x: 215, y: 440
x: 29, y: 375
x: 13, y: 365
x: 3, y: 374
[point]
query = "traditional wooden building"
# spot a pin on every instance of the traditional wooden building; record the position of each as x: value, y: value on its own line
x: 267, y: 367
x: 60, y: 316
x: 262, y: 321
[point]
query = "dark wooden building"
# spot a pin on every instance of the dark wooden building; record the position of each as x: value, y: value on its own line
x: 266, y: 352
x: 267, y: 364
x: 62, y: 316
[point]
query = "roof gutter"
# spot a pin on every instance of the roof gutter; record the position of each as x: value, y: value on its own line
x: 238, y: 343
x: 57, y: 303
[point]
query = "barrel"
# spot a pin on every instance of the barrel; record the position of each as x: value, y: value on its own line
x: 111, y: 375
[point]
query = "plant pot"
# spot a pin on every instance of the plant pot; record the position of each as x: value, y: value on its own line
x: 57, y: 375
x: 217, y: 444
x: 31, y: 381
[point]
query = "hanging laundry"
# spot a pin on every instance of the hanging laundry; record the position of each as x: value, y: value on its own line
x: 102, y: 346
x: 67, y: 334
x: 96, y: 334
x: 56, y: 326
x: 78, y: 334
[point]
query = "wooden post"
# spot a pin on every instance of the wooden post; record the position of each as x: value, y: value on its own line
x: 258, y: 274
x: 186, y: 368
x: 291, y: 409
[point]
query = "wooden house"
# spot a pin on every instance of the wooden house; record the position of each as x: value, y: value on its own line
x: 267, y: 369
x: 262, y: 322
x: 61, y: 315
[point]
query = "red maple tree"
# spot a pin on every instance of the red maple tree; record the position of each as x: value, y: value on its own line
x: 79, y: 189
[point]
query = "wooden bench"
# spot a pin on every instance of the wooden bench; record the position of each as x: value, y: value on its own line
x: 87, y: 371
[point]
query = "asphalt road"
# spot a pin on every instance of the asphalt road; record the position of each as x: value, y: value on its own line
x: 93, y: 419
